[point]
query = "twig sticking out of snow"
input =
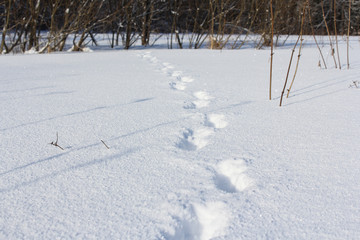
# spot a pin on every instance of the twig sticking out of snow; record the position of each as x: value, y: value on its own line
x: 56, y: 142
x: 105, y: 144
x: 355, y: 84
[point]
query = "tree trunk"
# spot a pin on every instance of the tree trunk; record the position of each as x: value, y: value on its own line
x: 148, y: 8
x: 6, y: 24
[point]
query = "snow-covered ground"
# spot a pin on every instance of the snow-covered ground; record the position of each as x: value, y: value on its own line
x: 196, y: 149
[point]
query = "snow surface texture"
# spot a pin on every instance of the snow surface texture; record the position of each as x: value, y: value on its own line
x: 196, y: 150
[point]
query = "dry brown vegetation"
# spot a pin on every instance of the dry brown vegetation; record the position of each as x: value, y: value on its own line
x: 47, y: 25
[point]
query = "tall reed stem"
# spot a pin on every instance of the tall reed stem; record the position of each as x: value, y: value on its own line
x: 272, y: 45
x: 336, y: 39
x: 348, y: 34
x: 288, y: 71
x: 313, y: 33
x: 300, y: 48
x: 328, y: 32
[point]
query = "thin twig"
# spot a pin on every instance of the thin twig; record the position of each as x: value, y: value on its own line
x: 56, y: 142
x: 355, y: 84
x: 105, y: 144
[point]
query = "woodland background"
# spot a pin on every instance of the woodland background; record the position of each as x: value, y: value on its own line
x: 48, y: 26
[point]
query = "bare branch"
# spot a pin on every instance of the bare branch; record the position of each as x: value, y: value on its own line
x: 56, y: 142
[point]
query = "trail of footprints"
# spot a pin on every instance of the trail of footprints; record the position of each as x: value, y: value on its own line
x: 210, y: 219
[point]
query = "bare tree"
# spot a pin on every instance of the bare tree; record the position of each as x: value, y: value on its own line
x: 148, y: 10
x: 34, y: 7
x: 6, y: 24
x: 47, y: 26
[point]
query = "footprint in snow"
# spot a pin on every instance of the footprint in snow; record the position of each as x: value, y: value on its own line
x: 179, y: 76
x: 187, y: 79
x: 176, y: 74
x: 177, y: 86
x: 154, y: 60
x: 192, y: 140
x: 215, y: 121
x: 167, y: 65
x: 214, y: 218
x: 231, y: 176
x: 180, y: 84
x: 183, y: 224
x: 198, y: 221
x: 147, y: 55
x: 166, y: 70
x: 202, y: 95
x: 202, y: 99
x: 189, y: 105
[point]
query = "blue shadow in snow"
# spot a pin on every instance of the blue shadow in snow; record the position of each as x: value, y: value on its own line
x: 52, y: 118
x: 33, y: 163
x: 315, y: 97
x: 142, y: 100
x: 54, y: 93
x: 76, y: 113
x: 27, y: 89
x: 69, y: 169
x: 114, y: 138
x: 317, y: 86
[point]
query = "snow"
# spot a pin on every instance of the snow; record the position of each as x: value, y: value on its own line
x: 196, y: 149
x: 31, y: 51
